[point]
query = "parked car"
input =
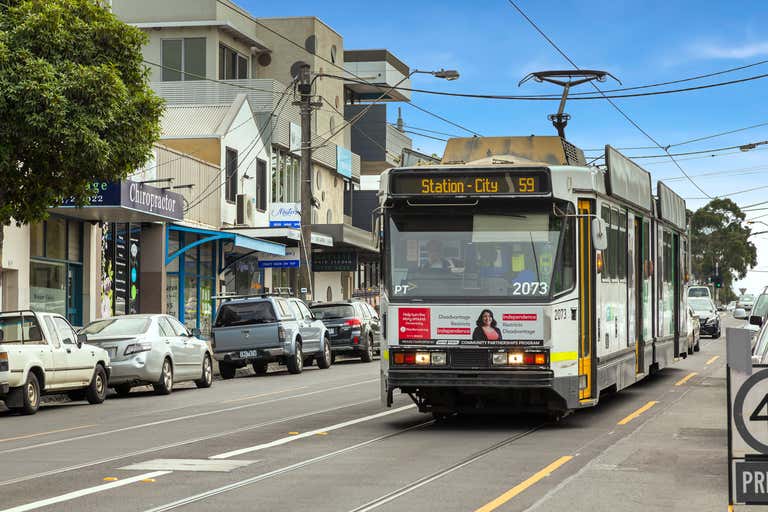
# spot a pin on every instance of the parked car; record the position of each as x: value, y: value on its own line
x: 699, y: 291
x: 709, y: 319
x: 40, y: 353
x: 693, y: 332
x: 746, y: 302
x: 260, y: 330
x: 353, y: 327
x: 760, y: 346
x: 152, y: 349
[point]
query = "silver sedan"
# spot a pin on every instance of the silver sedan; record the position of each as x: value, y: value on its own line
x: 151, y: 349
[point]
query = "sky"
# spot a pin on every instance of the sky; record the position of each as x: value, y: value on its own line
x: 651, y: 41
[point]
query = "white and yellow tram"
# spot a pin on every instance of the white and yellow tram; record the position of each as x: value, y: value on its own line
x: 518, y: 278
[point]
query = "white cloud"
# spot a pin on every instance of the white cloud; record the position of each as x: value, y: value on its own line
x: 720, y: 51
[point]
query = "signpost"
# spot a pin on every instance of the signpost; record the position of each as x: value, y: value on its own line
x: 747, y: 422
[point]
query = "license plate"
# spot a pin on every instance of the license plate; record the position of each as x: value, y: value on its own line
x: 332, y: 330
x: 244, y: 354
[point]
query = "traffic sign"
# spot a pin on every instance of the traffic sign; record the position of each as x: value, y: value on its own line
x: 747, y: 422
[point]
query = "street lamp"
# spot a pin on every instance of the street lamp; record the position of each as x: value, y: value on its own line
x: 446, y: 74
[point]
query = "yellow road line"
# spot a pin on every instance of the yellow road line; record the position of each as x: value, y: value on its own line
x: 638, y: 412
x: 686, y: 379
x: 713, y: 359
x: 522, y: 486
x: 27, y: 436
x: 263, y: 394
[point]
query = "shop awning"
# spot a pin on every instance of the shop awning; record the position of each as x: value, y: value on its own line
x: 346, y: 235
x: 287, y: 236
x: 126, y: 201
x: 239, y: 240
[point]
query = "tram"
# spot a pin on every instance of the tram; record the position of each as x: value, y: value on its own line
x: 519, y: 278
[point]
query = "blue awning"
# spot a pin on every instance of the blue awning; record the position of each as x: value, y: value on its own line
x: 210, y: 235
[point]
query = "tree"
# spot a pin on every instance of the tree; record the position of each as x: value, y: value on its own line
x: 75, y: 103
x: 719, y: 235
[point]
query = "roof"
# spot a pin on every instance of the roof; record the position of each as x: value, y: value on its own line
x: 376, y: 55
x: 199, y: 119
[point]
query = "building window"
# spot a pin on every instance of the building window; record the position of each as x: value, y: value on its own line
x: 231, y: 175
x: 261, y: 185
x: 183, y: 59
x: 285, y: 177
x: 232, y: 65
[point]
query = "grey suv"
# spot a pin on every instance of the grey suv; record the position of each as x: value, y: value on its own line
x: 264, y: 329
x: 353, y: 327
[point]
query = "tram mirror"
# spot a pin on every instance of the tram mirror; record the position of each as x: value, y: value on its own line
x: 599, y: 234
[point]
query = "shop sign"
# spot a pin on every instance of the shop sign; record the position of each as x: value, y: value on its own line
x: 290, y: 260
x: 285, y: 215
x: 334, y: 262
x: 294, y: 139
x: 470, y: 325
x: 135, y: 196
x: 344, y: 162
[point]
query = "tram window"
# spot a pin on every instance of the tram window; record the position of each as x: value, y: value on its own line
x: 622, y: 245
x: 607, y: 263
x: 615, y: 247
x: 566, y: 279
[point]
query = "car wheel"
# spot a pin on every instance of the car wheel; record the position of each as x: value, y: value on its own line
x: 226, y: 370
x: 296, y: 362
x: 325, y: 359
x: 260, y: 367
x: 123, y: 389
x: 165, y: 385
x: 367, y: 355
x: 206, y: 377
x: 30, y: 396
x: 96, y: 391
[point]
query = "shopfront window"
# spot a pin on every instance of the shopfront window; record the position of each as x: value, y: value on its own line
x: 56, y: 268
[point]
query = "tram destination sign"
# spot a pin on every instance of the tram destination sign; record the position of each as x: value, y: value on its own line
x: 452, y: 183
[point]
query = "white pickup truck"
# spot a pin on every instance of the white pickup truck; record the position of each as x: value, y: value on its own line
x: 40, y: 353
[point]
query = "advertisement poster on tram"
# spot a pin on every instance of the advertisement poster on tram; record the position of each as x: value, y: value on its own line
x: 468, y: 325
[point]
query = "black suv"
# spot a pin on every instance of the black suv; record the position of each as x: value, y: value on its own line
x: 353, y: 327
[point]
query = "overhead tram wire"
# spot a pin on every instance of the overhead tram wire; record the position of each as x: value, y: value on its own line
x: 362, y: 132
x: 425, y: 135
x: 409, y: 127
x: 624, y: 114
x: 699, y: 152
x: 341, y: 68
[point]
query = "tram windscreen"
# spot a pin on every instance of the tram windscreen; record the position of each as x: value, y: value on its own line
x: 483, y: 254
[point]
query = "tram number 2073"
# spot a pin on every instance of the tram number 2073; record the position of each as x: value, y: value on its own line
x: 528, y: 288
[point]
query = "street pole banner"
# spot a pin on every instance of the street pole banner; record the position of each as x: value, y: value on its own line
x: 747, y: 422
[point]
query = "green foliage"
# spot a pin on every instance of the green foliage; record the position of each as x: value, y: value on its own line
x: 75, y: 103
x: 718, y: 234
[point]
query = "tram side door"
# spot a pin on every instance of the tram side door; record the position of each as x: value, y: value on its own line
x: 586, y: 301
x: 638, y: 268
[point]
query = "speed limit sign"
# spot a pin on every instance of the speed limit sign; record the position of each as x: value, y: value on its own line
x: 747, y: 422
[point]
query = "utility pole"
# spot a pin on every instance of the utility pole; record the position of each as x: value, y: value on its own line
x: 717, y: 274
x: 305, y: 288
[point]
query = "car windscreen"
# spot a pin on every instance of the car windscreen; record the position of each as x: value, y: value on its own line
x: 747, y: 299
x: 760, y: 307
x: 118, y: 327
x: 698, y: 292
x: 700, y: 305
x: 331, y: 311
x: 245, y: 313
x: 20, y: 329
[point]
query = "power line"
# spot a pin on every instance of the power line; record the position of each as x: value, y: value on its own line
x: 720, y: 196
x: 700, y: 152
x: 716, y: 155
x: 425, y: 135
x: 624, y: 114
x: 362, y: 132
x: 743, y: 171
x: 424, y: 130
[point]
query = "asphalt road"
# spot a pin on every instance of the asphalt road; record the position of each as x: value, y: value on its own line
x: 321, y: 441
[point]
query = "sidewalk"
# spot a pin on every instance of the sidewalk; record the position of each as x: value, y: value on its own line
x: 676, y: 460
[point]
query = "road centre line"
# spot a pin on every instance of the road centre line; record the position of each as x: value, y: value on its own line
x: 277, y: 472
x: 182, y: 418
x: 296, y: 437
x: 686, y: 378
x: 522, y: 486
x: 179, y: 443
x: 85, y: 492
x: 637, y: 412
x: 713, y: 359
x: 19, y: 438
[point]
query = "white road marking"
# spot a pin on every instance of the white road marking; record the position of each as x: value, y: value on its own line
x: 195, y: 465
x: 182, y: 418
x: 278, y: 472
x: 179, y: 443
x: 290, y: 439
x: 84, y: 492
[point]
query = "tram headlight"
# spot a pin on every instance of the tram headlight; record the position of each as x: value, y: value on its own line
x: 438, y: 358
x: 422, y: 358
x: 499, y: 358
x: 515, y: 358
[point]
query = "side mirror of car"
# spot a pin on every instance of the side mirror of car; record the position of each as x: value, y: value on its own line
x: 81, y: 338
x: 756, y: 320
x: 195, y: 333
x: 740, y: 314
